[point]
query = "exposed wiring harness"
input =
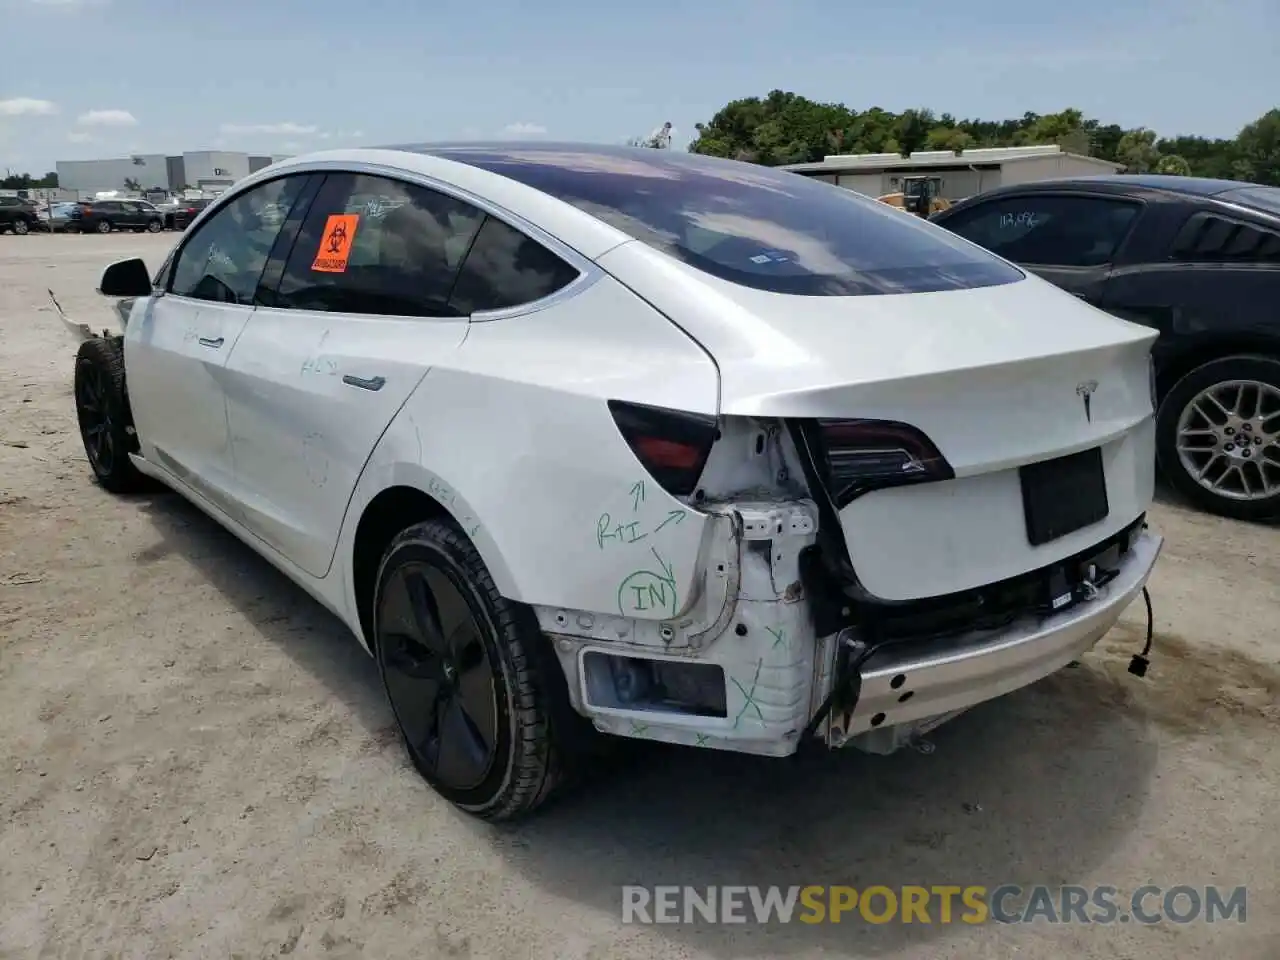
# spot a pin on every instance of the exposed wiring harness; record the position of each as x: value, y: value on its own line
x: 1138, y: 665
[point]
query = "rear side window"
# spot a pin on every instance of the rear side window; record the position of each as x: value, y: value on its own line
x: 755, y: 226
x: 1213, y: 238
x: 505, y: 269
x: 378, y: 246
x: 1049, y: 230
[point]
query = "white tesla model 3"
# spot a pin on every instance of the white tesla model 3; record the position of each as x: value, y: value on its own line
x: 584, y: 439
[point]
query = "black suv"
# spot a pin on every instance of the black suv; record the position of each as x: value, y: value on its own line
x: 1199, y: 261
x: 18, y: 215
x: 103, y: 216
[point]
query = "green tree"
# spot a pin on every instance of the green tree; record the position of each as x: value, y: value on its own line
x: 1137, y: 151
x: 1258, y: 147
x: 1173, y: 165
x: 785, y: 127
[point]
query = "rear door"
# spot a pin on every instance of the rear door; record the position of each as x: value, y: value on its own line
x: 177, y: 346
x: 1070, y: 239
x: 356, y: 314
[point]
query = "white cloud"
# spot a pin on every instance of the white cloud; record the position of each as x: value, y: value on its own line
x: 107, y: 118
x: 70, y: 3
x: 524, y: 129
x: 27, y: 107
x: 357, y: 134
x: 80, y: 137
x: 287, y: 127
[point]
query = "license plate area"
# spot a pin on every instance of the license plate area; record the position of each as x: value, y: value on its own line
x: 1063, y: 495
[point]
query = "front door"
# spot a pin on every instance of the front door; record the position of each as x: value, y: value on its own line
x: 357, y: 319
x: 1071, y: 240
x: 177, y: 347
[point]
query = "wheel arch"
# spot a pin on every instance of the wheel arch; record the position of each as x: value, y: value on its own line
x: 409, y: 495
x: 1196, y: 354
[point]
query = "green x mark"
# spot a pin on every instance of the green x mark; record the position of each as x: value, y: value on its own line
x: 702, y: 740
x: 639, y: 729
x: 779, y: 636
x: 749, y: 696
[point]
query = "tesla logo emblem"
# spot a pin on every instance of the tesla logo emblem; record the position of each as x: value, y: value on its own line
x: 1085, y: 391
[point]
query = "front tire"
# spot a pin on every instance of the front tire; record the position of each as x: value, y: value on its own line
x: 154, y: 226
x: 20, y: 227
x: 1218, y: 437
x: 474, y: 687
x: 102, y: 409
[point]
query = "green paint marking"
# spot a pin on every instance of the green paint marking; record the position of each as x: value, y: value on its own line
x: 643, y: 591
x: 637, y: 495
x: 606, y: 529
x: 779, y: 636
x: 702, y: 740
x: 675, y: 516
x: 749, y: 696
x: 639, y: 729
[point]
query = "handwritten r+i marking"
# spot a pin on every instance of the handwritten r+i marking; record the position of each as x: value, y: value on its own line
x: 607, y: 529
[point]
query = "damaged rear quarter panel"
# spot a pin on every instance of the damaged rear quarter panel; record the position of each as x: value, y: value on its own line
x: 515, y: 439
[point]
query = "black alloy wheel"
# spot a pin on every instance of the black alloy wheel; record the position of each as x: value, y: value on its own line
x: 438, y: 675
x: 97, y: 427
x: 102, y: 410
x: 476, y: 690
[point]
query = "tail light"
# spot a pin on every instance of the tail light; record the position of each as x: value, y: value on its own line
x: 864, y: 455
x: 672, y: 445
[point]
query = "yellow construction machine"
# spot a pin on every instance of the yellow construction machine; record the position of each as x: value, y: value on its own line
x: 919, y: 195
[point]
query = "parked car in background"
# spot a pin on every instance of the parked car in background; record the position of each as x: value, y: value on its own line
x: 181, y: 215
x: 817, y: 471
x: 18, y: 215
x: 60, y: 216
x: 103, y: 216
x: 1199, y: 261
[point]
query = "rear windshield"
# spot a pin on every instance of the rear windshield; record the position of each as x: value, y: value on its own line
x: 1264, y: 198
x: 755, y: 226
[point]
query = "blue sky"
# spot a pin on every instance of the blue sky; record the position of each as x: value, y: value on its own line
x: 95, y: 78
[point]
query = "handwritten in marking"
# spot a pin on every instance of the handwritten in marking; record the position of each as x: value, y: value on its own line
x: 646, y: 591
x: 637, y: 495
x: 779, y: 636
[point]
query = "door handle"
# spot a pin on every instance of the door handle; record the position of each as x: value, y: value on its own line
x: 373, y: 383
x: 206, y: 342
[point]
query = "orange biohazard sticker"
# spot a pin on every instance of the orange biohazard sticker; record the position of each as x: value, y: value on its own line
x: 335, y: 243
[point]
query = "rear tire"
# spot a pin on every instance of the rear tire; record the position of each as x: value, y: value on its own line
x: 20, y: 227
x: 102, y: 409
x: 104, y: 226
x: 1201, y: 436
x: 476, y: 691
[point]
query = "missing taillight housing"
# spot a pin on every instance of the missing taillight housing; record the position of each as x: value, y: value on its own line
x: 672, y: 445
x: 863, y: 455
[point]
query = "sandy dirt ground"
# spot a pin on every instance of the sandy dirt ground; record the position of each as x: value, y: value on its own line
x: 197, y: 761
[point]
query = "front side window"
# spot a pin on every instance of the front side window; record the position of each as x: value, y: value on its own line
x: 1049, y: 230
x: 378, y: 246
x: 755, y: 226
x: 224, y: 259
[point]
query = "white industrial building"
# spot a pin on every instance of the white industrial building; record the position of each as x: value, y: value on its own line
x: 960, y: 175
x: 204, y: 170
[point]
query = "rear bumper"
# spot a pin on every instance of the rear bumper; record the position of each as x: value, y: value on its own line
x: 904, y: 687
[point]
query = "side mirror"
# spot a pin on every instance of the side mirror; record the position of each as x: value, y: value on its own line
x: 126, y: 278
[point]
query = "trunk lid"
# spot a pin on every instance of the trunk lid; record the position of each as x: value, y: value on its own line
x: 996, y: 377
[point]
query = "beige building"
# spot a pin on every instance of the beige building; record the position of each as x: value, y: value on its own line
x: 973, y: 171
